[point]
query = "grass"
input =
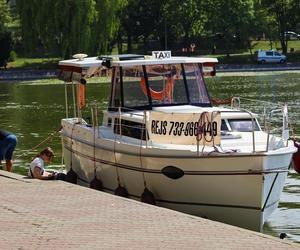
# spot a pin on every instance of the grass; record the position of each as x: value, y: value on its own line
x: 244, y: 57
x: 265, y: 45
x: 33, y: 63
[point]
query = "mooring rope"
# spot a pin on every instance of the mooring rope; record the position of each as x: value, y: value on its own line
x: 140, y: 154
x: 50, y: 136
x: 115, y: 156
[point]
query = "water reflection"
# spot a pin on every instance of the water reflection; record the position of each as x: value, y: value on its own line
x: 286, y: 219
x: 33, y: 113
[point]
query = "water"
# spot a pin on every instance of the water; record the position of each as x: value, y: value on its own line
x: 33, y: 112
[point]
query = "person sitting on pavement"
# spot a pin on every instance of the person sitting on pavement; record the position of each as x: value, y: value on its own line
x: 37, y: 166
x: 8, y: 142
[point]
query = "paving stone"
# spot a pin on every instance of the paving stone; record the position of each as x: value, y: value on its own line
x: 38, y: 214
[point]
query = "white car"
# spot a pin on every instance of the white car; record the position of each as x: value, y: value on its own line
x: 270, y: 56
x: 290, y: 35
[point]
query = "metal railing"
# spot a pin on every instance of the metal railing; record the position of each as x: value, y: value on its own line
x: 267, y: 117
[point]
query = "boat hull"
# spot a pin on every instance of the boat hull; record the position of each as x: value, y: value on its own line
x: 241, y: 190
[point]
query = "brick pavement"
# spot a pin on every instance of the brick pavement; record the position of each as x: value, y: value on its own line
x: 38, y: 214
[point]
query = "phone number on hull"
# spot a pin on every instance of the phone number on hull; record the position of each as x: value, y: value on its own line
x: 183, y: 128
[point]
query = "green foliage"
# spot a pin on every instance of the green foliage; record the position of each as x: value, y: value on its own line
x: 185, y: 19
x: 34, y: 63
x: 5, y: 48
x: 66, y: 27
x: 230, y: 21
x: 141, y: 20
x: 106, y: 25
x: 4, y: 14
x: 12, y: 56
x: 285, y: 15
x: 5, y: 36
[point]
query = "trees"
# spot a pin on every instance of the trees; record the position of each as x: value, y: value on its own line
x: 141, y: 20
x: 185, y: 20
x: 106, y: 25
x: 65, y: 27
x: 285, y: 15
x: 230, y: 21
x: 5, y: 35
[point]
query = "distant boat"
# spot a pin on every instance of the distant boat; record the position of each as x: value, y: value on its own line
x: 162, y: 141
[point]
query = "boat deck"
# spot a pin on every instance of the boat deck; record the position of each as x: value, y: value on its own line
x: 38, y: 214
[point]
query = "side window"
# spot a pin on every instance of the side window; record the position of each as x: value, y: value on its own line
x: 269, y: 53
x: 131, y: 129
x: 224, y: 126
x: 277, y: 54
x: 244, y: 125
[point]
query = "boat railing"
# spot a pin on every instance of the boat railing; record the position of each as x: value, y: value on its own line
x: 263, y: 108
x: 251, y: 116
x: 275, y: 130
x: 139, y: 131
x: 270, y: 115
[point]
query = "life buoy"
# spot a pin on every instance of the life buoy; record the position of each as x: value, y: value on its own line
x: 166, y: 93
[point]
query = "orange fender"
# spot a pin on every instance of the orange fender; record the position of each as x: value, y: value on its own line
x: 81, y: 95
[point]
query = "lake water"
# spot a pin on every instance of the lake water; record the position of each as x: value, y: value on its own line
x: 33, y: 112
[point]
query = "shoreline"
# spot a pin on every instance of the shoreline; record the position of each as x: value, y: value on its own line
x: 257, y: 67
x: 34, y: 74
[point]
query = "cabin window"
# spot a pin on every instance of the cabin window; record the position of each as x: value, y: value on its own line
x: 169, y: 84
x: 196, y: 85
x: 243, y: 125
x: 166, y: 84
x: 132, y: 91
x: 129, y: 128
x: 224, y: 126
x: 109, y: 121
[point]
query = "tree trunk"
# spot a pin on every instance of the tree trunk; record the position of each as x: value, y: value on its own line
x: 283, y: 45
x: 120, y: 43
x: 129, y: 43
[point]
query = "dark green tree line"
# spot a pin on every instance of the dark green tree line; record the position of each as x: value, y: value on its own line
x: 65, y: 27
x: 285, y: 15
x: 5, y: 35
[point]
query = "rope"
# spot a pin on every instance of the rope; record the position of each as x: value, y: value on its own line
x: 201, y: 131
x: 94, y: 152
x: 50, y: 136
x: 71, y: 158
x: 115, y: 157
x: 140, y: 154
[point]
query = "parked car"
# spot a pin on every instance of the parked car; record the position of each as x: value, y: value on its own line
x: 290, y: 35
x: 270, y: 56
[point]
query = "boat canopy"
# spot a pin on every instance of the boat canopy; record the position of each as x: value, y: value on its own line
x: 144, y: 82
x: 73, y: 69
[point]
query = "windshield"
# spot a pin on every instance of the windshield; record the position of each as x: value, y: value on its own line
x: 136, y: 87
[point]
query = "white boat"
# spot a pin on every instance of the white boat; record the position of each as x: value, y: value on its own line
x: 161, y: 134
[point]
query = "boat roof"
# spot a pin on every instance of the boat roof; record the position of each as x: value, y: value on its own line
x: 146, y: 60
